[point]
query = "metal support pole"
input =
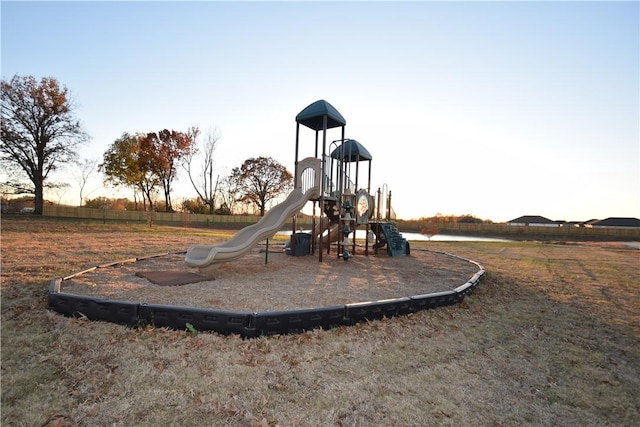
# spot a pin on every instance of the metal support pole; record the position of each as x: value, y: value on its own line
x: 295, y: 185
x: 322, y: 184
x: 355, y: 227
x: 368, y: 227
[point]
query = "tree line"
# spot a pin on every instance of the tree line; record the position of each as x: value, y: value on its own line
x: 41, y: 134
x: 454, y: 219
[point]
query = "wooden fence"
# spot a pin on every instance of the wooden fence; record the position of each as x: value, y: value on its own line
x: 160, y: 217
x: 238, y: 221
x: 563, y: 233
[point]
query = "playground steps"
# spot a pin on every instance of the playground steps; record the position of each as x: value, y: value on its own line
x: 389, y: 234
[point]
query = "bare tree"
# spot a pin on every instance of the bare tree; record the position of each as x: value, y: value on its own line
x: 202, y: 179
x: 39, y: 130
x: 86, y: 168
x: 60, y: 190
x: 229, y: 193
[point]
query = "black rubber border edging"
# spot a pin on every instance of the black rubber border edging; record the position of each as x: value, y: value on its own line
x: 244, y: 323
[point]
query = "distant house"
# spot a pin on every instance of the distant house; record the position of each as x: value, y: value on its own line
x: 572, y: 224
x: 590, y: 222
x: 533, y: 221
x: 614, y: 222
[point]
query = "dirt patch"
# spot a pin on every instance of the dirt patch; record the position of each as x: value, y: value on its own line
x: 283, y: 283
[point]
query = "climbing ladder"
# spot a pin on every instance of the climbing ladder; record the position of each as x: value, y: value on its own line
x: 389, y: 235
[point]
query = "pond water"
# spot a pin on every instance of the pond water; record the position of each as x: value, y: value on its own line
x: 448, y: 238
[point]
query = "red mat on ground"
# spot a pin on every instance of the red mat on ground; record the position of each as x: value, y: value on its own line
x: 171, y: 278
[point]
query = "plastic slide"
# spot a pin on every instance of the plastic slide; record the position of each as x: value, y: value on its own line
x: 209, y: 257
x: 334, y: 235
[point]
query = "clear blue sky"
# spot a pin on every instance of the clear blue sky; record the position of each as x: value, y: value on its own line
x: 496, y: 109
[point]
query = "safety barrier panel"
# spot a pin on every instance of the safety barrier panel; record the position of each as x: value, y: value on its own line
x: 120, y: 312
x: 243, y: 323
x: 174, y: 317
x: 437, y: 299
x: 375, y: 310
x: 294, y: 321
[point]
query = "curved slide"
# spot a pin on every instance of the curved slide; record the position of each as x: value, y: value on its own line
x: 334, y: 235
x: 208, y: 257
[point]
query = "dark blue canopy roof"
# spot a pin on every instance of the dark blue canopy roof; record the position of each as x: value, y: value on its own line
x: 353, y: 151
x: 312, y: 116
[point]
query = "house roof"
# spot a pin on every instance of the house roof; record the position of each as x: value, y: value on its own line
x: 312, y: 116
x: 618, y: 222
x: 531, y: 219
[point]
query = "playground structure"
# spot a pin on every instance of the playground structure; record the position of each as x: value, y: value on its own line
x: 330, y: 182
x: 343, y: 202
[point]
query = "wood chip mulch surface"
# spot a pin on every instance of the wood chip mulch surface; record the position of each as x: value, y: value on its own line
x: 284, y: 283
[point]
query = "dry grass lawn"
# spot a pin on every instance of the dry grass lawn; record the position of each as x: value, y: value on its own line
x: 549, y: 338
